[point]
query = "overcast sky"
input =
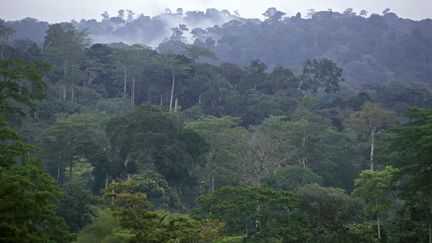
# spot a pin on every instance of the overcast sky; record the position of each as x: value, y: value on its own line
x: 66, y: 10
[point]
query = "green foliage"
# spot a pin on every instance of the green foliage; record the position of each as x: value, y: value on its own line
x: 155, y: 187
x: 28, y: 203
x: 144, y: 225
x: 29, y: 197
x: 321, y: 76
x: 291, y: 176
x: 252, y: 211
x: 75, y: 205
x: 371, y: 117
x: 410, y: 144
x: 408, y: 148
x: 362, y: 232
x: 20, y: 85
x: 70, y: 140
x: 327, y: 211
x: 104, y: 228
x: 289, y: 132
x: 374, y: 188
x: 151, y: 138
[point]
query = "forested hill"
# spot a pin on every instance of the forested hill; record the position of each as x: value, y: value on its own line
x: 369, y: 48
x: 121, y: 142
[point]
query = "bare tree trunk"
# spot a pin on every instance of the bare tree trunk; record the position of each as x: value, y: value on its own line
x: 58, y: 173
x: 20, y: 87
x: 212, y: 189
x: 372, y: 149
x: 430, y: 232
x: 125, y: 81
x: 65, y: 64
x: 378, y: 221
x: 72, y: 94
x: 172, y: 91
x: 176, y: 105
x: 303, y: 159
x: 70, y: 170
x: 161, y: 101
x: 64, y: 91
x: 133, y: 91
x: 379, y: 228
x: 106, y: 181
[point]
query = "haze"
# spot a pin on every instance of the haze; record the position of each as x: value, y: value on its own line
x: 52, y: 11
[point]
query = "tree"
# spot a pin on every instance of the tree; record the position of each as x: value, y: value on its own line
x: 320, y: 76
x: 369, y: 121
x: 5, y: 33
x: 327, y: 211
x: 64, y: 45
x: 409, y: 146
x: 28, y: 196
x: 28, y: 203
x: 151, y: 138
x: 251, y: 211
x: 21, y: 86
x: 273, y: 15
x: 375, y: 188
x: 219, y: 135
x: 75, y: 205
x: 70, y: 140
x: 104, y: 228
x: 145, y: 225
x: 260, y: 153
x: 194, y: 52
x: 291, y: 176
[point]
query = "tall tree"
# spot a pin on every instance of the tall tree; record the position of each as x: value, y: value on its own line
x: 320, y: 76
x: 409, y: 147
x: 28, y: 196
x: 369, y: 121
x: 65, y: 45
x: 5, y: 33
x: 218, y: 132
x: 375, y: 188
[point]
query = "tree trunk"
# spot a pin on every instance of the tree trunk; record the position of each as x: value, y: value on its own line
x: 133, y: 91
x: 65, y: 64
x: 70, y: 170
x: 161, y: 101
x: 64, y: 91
x: 176, y: 105
x: 303, y: 159
x: 379, y: 228
x: 58, y: 173
x: 72, y: 94
x: 20, y: 87
x: 149, y: 100
x: 430, y: 232
x: 172, y: 91
x: 125, y: 81
x: 372, y: 149
x: 1, y: 51
x: 212, y: 184
x: 378, y: 221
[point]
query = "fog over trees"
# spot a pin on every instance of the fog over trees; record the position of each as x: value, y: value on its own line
x: 210, y: 127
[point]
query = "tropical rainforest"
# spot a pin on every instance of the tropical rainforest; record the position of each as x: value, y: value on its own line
x: 209, y: 127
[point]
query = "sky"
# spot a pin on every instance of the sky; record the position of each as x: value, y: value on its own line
x: 65, y: 10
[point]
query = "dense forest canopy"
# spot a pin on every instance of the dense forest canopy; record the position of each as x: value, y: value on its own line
x: 209, y: 127
x: 370, y: 48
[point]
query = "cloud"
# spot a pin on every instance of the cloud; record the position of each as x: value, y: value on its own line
x: 65, y: 10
